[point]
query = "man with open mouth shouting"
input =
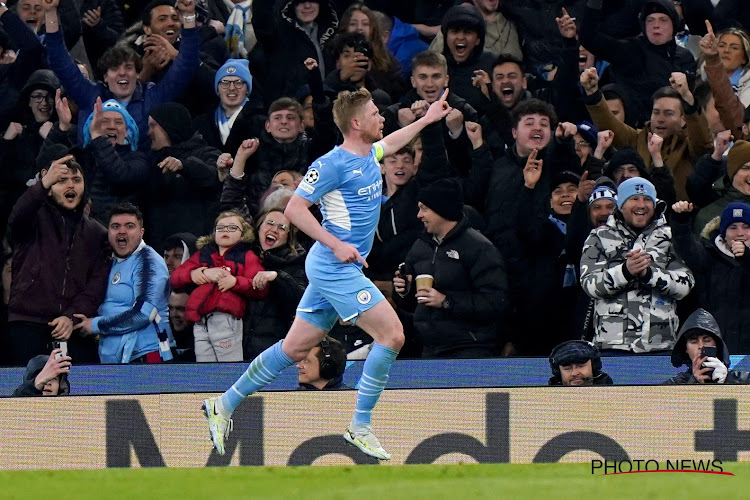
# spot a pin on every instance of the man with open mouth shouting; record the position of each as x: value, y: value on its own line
x: 60, y: 264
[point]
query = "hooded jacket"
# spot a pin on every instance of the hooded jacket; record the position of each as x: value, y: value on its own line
x: 722, y: 280
x: 461, y: 73
x: 18, y: 156
x: 470, y: 272
x: 702, y: 321
x: 61, y: 262
x: 636, y: 314
x: 33, y: 368
x: 285, y: 44
x: 637, y: 64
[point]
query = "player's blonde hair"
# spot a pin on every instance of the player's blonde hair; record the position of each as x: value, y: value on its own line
x: 347, y: 105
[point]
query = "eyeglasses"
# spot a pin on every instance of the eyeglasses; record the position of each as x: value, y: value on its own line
x: 272, y: 223
x: 40, y: 97
x: 227, y: 229
x: 583, y: 144
x: 238, y: 84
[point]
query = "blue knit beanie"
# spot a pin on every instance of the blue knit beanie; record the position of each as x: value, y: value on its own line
x: 635, y: 186
x: 132, y: 127
x: 735, y: 212
x: 235, y: 67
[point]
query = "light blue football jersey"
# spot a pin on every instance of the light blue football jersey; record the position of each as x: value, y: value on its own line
x: 348, y: 189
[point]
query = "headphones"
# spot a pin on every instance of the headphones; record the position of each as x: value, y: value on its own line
x: 576, y: 350
x: 327, y: 366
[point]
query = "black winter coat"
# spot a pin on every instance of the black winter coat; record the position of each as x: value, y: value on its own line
x: 14, y: 76
x: 470, y: 272
x: 505, y: 185
x: 284, y: 45
x: 183, y: 201
x: 266, y: 321
x: 722, y: 282
x: 248, y: 124
x: 547, y: 307
x: 536, y: 21
x: 638, y: 65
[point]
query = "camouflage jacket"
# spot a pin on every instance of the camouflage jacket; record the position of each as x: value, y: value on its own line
x: 637, y: 314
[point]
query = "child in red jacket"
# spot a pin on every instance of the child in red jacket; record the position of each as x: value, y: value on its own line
x: 220, y: 276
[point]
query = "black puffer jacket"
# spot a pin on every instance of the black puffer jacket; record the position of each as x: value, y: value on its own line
x: 285, y: 45
x: 470, y: 272
x: 266, y: 321
x: 183, y: 201
x: 638, y: 65
x: 722, y: 281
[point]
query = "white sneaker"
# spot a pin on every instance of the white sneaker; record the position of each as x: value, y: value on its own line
x: 218, y: 426
x: 366, y: 441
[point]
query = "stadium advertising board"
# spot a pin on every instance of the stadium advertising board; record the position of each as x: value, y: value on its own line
x: 519, y: 425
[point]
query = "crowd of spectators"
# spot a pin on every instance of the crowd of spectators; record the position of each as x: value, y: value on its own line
x: 591, y: 183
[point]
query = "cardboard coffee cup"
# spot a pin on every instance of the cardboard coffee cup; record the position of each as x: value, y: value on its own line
x: 424, y: 281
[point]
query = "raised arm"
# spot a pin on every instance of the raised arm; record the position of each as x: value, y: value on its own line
x: 400, y: 138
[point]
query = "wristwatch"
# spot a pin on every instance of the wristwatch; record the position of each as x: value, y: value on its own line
x: 446, y: 304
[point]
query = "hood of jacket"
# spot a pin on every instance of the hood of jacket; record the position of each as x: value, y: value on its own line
x: 327, y: 19
x: 467, y: 16
x: 39, y: 79
x: 666, y: 6
x: 35, y: 365
x: 626, y: 156
x: 701, y: 320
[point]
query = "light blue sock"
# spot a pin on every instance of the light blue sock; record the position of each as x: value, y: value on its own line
x: 372, y: 383
x: 262, y: 370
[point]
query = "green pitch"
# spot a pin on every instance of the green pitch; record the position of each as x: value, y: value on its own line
x: 558, y: 481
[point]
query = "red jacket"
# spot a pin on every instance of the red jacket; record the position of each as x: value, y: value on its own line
x: 207, y: 298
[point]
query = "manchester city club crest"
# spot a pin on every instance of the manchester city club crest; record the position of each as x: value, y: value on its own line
x: 231, y: 69
x: 116, y: 278
x: 364, y: 297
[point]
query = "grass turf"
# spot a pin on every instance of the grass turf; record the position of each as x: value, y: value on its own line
x: 364, y: 482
